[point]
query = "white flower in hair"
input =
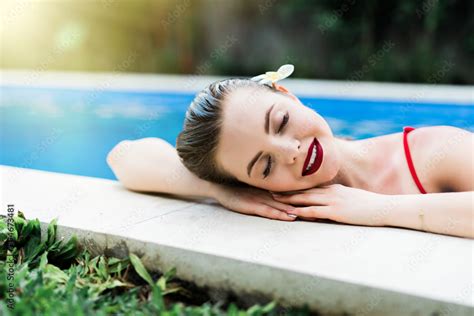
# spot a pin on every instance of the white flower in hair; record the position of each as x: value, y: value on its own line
x: 273, y: 76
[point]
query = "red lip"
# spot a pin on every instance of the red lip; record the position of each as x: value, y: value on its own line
x: 318, y: 161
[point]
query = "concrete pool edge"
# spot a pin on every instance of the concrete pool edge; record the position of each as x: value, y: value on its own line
x: 359, y: 90
x: 327, y: 296
x: 168, y: 232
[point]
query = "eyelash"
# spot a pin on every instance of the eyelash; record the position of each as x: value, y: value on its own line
x: 267, y: 169
x: 269, y: 164
x: 284, y: 122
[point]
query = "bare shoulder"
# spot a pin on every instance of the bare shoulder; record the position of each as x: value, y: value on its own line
x: 441, y: 135
x: 443, y: 157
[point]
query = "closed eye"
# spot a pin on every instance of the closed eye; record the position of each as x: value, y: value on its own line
x: 284, y: 122
x: 268, y: 168
x: 269, y: 164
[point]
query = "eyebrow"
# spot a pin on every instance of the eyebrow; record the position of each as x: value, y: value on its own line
x: 267, y: 118
x: 267, y: 128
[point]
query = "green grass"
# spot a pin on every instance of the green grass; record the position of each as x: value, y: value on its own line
x: 45, y: 276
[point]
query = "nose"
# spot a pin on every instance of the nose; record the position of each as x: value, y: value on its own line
x: 288, y: 151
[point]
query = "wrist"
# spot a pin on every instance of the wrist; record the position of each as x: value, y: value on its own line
x: 213, y: 190
x: 403, y: 211
x: 387, y: 209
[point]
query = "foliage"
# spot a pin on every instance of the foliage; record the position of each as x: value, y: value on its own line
x: 52, y: 277
x: 429, y: 41
x: 433, y: 40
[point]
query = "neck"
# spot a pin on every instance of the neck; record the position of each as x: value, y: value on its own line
x: 356, y: 162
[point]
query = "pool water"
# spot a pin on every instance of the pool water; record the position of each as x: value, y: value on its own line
x: 71, y: 130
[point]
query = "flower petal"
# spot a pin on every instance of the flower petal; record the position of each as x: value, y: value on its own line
x: 257, y: 78
x: 286, y: 70
x: 273, y: 76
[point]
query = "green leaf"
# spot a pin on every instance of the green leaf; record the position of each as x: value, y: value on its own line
x: 115, y: 283
x: 20, y: 224
x: 71, y: 282
x: 157, y: 298
x: 51, y: 232
x: 161, y: 283
x: 31, y: 230
x: 170, y: 273
x: 118, y: 269
x: 269, y: 307
x: 173, y: 290
x: 20, y: 214
x: 65, y: 252
x: 55, y: 274
x: 3, y: 232
x: 140, y: 268
x: 232, y: 310
x: 117, y: 265
x: 178, y: 309
x: 92, y: 265
x: 33, y: 247
x: 113, y: 260
x: 165, y: 278
x: 255, y: 310
x: 102, y: 271
x: 44, y: 260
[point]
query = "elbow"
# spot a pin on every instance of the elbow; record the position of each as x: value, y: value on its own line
x: 118, y: 160
x: 118, y: 154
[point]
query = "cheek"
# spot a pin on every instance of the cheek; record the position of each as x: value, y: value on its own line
x: 308, y: 122
x: 331, y: 162
x: 290, y: 185
x: 284, y: 180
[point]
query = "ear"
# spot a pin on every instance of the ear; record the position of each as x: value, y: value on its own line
x: 285, y: 90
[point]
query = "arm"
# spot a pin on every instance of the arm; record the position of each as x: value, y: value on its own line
x: 452, y: 164
x: 445, y: 158
x: 447, y: 162
x: 153, y: 165
x: 444, y: 213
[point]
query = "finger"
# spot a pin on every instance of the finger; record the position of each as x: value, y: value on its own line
x: 282, y: 208
x: 287, y: 192
x: 312, y: 211
x: 304, y: 198
x: 319, y: 190
x: 308, y: 219
x: 279, y: 205
x: 322, y: 189
x: 270, y: 212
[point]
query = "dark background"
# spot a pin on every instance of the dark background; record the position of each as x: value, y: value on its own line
x: 400, y: 41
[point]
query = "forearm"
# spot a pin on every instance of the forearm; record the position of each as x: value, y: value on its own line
x: 444, y: 213
x: 177, y: 179
x: 153, y: 165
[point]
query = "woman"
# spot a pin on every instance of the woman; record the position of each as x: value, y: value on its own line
x: 245, y: 140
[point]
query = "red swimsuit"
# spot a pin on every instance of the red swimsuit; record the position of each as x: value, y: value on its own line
x: 406, y: 130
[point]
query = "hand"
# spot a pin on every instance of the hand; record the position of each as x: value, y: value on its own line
x: 252, y: 201
x: 339, y: 203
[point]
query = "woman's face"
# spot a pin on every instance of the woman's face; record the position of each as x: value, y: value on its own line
x: 244, y: 137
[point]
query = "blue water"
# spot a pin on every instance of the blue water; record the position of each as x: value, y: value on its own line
x: 71, y: 131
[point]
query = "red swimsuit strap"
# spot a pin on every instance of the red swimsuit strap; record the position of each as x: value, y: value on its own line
x: 406, y: 130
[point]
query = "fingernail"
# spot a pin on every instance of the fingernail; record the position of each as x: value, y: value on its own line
x: 292, y: 215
